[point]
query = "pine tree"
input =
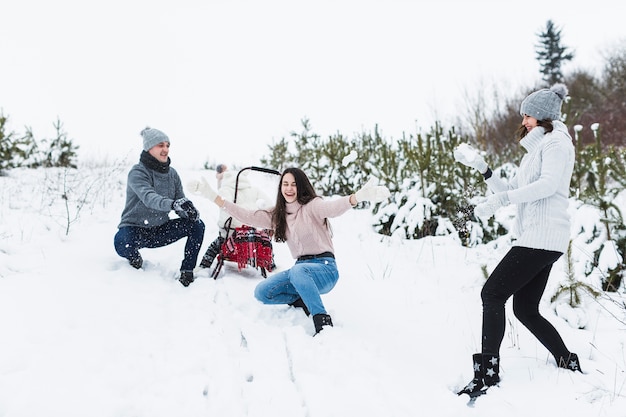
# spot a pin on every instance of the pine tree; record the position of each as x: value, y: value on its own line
x: 551, y: 54
x: 6, y: 145
x: 14, y: 150
x: 61, y: 150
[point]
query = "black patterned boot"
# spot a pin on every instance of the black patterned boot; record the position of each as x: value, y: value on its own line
x: 486, y: 374
x: 491, y: 365
x: 571, y: 362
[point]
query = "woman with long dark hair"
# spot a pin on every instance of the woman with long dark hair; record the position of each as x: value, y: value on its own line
x: 300, y: 218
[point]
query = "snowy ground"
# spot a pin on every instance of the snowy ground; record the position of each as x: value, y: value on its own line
x: 84, y: 334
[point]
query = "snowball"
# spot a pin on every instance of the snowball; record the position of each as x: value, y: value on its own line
x: 466, y: 151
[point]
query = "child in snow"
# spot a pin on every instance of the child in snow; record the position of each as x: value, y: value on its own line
x: 300, y: 218
x: 219, y: 174
x: 153, y: 190
x: 540, y: 189
x: 248, y: 196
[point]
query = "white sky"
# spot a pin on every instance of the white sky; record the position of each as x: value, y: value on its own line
x: 225, y: 78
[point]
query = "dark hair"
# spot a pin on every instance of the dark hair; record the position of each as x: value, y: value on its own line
x: 306, y: 193
x: 546, y: 124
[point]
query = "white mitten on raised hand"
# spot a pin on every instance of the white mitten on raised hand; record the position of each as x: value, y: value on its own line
x: 492, y: 203
x: 470, y: 157
x: 203, y: 188
x: 195, y: 186
x: 372, y: 192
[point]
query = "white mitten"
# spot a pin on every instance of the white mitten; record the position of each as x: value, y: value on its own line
x: 195, y: 186
x: 203, y: 188
x: 492, y: 203
x: 470, y: 157
x: 372, y: 192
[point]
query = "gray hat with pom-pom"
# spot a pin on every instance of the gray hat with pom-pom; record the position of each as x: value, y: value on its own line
x: 545, y: 104
x: 152, y: 137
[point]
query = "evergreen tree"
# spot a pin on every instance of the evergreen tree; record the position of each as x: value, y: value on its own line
x: 551, y: 54
x: 279, y: 157
x: 61, y: 151
x: 6, y: 144
x: 14, y: 150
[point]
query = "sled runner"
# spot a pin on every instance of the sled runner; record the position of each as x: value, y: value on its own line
x: 246, y: 245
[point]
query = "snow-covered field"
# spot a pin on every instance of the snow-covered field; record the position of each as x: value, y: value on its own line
x: 84, y: 334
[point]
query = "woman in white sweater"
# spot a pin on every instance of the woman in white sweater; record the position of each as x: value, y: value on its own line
x: 540, y: 189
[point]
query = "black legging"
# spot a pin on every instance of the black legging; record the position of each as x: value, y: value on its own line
x: 522, y: 273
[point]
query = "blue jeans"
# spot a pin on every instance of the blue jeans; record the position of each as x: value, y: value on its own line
x: 307, y: 279
x: 129, y: 239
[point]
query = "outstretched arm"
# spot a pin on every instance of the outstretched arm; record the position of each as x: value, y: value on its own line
x: 256, y: 218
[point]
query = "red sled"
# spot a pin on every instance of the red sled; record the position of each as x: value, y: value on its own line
x: 246, y: 245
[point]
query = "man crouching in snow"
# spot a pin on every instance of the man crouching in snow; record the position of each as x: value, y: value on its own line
x: 153, y: 190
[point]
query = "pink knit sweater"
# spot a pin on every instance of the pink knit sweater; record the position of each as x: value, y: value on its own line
x: 306, y: 232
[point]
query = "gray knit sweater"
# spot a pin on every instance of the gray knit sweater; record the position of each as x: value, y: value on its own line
x: 540, y: 189
x: 149, y: 196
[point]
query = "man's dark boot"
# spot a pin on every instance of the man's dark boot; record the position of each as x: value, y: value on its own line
x: 571, y: 362
x: 486, y: 374
x: 300, y: 304
x: 136, y: 262
x: 186, y: 278
x: 321, y: 320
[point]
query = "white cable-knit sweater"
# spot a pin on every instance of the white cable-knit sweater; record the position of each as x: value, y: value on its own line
x: 540, y: 189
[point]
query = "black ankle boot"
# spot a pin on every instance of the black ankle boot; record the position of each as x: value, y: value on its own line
x: 136, y: 262
x: 206, y: 262
x: 486, y: 374
x: 186, y: 278
x: 300, y: 304
x: 571, y: 362
x: 321, y: 320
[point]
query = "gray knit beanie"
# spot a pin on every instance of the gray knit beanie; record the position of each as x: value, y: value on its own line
x: 545, y: 104
x: 152, y: 137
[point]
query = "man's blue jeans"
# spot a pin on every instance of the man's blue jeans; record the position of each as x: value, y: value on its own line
x: 306, y: 279
x: 129, y: 239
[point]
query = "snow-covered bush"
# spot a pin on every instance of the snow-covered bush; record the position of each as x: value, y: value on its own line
x: 598, y: 183
x: 14, y: 149
x: 432, y: 194
x: 26, y: 151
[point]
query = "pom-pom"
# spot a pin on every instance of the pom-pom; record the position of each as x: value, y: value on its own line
x: 560, y: 90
